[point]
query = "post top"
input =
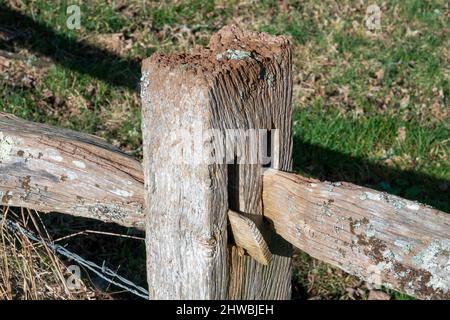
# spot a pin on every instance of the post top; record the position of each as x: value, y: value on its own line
x: 228, y: 49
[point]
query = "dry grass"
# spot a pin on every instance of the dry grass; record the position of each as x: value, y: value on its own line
x: 381, y: 98
x: 29, y: 270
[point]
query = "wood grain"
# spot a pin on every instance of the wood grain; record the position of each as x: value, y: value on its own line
x: 378, y: 237
x: 242, y: 80
x: 247, y: 236
x: 381, y: 238
x: 256, y: 94
x: 51, y: 169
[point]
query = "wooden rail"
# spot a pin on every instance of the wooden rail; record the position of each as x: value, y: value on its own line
x: 381, y: 238
x: 242, y: 81
x: 52, y: 169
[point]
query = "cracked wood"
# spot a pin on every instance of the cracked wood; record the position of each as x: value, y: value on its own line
x: 378, y: 237
x: 242, y: 80
x: 52, y: 169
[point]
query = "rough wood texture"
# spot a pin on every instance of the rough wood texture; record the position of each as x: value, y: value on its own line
x: 51, y: 169
x: 242, y: 81
x: 381, y: 238
x: 247, y: 236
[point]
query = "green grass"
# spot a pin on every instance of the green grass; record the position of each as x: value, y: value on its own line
x: 367, y: 150
x: 369, y: 108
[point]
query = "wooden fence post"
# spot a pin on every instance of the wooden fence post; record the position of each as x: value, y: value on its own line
x: 242, y: 81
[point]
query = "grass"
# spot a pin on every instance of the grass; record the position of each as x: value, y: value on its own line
x: 30, y: 271
x: 371, y: 151
x: 370, y: 107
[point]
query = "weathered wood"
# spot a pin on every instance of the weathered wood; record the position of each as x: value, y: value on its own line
x: 247, y: 236
x: 242, y: 81
x: 52, y: 169
x: 378, y: 237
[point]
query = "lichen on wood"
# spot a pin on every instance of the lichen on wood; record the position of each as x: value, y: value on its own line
x: 52, y: 169
x: 382, y: 238
x: 6, y: 146
x: 242, y: 80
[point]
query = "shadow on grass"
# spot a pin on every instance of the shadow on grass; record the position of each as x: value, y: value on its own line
x: 68, y: 52
x: 325, y: 164
x: 309, y: 159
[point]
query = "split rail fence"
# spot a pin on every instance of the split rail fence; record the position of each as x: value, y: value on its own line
x: 224, y: 230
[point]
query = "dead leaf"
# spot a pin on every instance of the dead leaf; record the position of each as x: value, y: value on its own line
x: 380, y: 75
x: 411, y: 33
x: 4, y: 63
x: 113, y: 42
x: 439, y: 112
x: 47, y: 94
x: 344, y: 91
x: 404, y: 102
x: 401, y: 134
x: 378, y: 295
x: 284, y: 7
